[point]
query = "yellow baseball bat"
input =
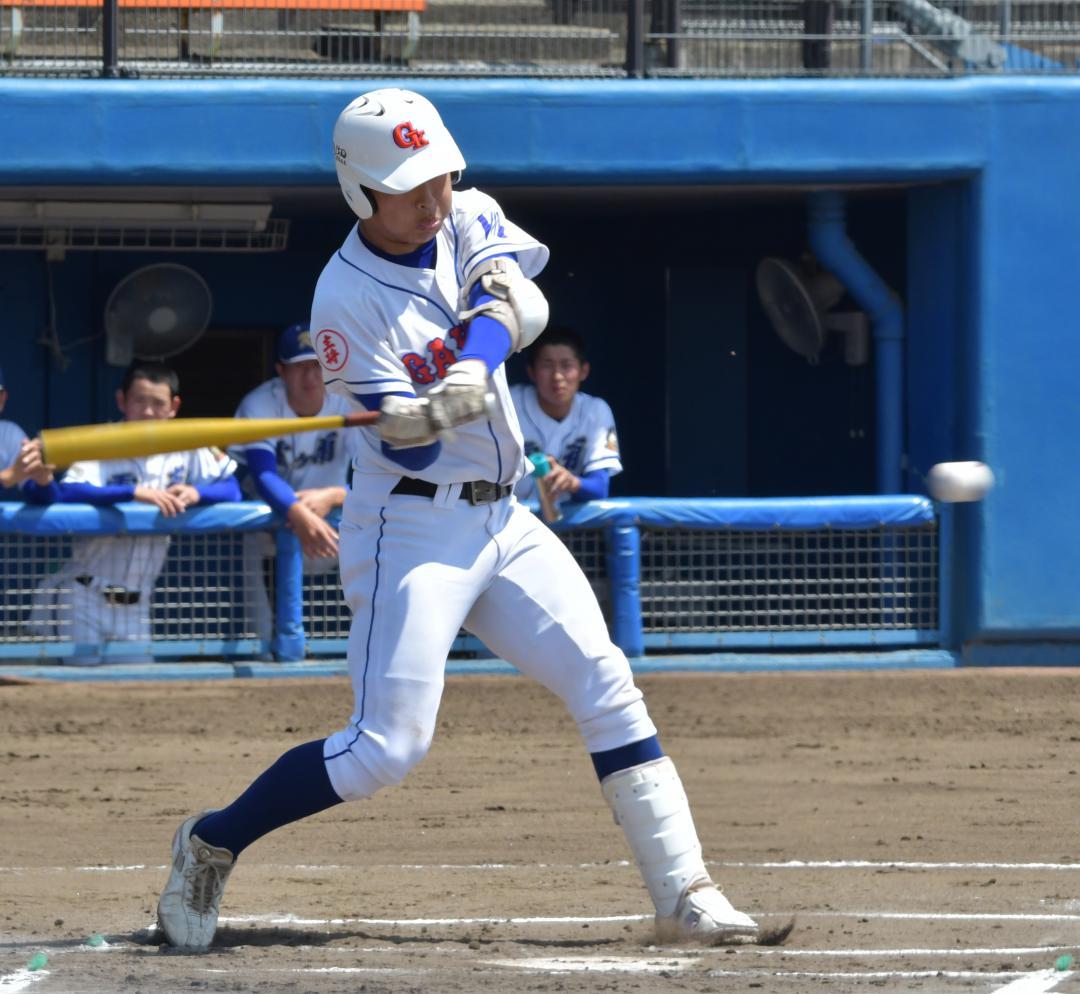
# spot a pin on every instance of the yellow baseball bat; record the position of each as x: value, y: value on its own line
x: 128, y: 439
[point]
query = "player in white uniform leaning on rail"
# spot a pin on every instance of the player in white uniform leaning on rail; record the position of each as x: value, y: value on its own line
x: 575, y: 430
x: 303, y: 476
x: 12, y: 438
x: 414, y: 315
x: 104, y: 591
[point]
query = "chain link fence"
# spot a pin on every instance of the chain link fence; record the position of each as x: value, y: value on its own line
x: 554, y: 38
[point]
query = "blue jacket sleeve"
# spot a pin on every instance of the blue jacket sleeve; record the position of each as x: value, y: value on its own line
x: 594, y: 486
x: 78, y: 493
x: 271, y: 487
x: 219, y: 490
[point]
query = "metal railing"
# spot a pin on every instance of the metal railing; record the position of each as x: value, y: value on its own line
x: 667, y: 572
x: 553, y: 38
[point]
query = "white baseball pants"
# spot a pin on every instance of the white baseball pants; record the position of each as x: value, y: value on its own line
x: 414, y: 572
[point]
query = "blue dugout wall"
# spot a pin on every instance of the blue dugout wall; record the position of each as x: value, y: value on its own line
x: 972, y: 218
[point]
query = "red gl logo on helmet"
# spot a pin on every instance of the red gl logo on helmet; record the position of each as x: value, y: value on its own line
x: 406, y: 136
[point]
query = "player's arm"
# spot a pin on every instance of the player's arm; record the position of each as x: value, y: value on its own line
x: 317, y: 537
x: 593, y: 485
x: 505, y: 311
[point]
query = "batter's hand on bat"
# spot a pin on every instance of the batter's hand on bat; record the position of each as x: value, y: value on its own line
x: 168, y: 504
x: 461, y: 397
x: 405, y: 422
x: 317, y: 537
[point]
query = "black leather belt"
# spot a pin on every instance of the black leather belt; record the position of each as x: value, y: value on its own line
x: 475, y: 492
x: 113, y: 595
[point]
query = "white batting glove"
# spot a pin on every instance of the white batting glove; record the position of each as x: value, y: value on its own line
x: 461, y: 397
x: 405, y: 422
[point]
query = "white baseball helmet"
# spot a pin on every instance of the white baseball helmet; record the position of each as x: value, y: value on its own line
x: 390, y: 140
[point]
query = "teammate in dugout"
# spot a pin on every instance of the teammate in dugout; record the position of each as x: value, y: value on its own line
x: 104, y: 591
x: 12, y: 438
x: 575, y: 430
x: 414, y: 316
x: 302, y: 476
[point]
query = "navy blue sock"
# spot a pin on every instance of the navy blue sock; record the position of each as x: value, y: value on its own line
x: 612, y: 760
x: 296, y: 786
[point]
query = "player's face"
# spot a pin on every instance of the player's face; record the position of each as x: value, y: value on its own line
x: 146, y: 401
x: 303, y: 386
x: 3, y: 398
x: 405, y: 221
x: 557, y: 373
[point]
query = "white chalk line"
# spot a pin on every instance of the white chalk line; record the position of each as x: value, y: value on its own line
x: 790, y: 864
x: 1035, y: 983
x: 20, y: 980
x: 290, y: 919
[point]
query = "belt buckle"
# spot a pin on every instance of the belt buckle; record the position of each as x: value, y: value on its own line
x: 483, y: 492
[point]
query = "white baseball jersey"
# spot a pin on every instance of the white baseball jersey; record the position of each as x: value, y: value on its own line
x: 584, y: 441
x: 11, y: 439
x: 134, y: 561
x: 380, y: 327
x: 309, y: 459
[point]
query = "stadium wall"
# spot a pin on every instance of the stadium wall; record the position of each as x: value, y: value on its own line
x: 983, y: 256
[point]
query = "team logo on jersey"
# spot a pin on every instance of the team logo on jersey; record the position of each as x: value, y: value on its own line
x: 492, y: 224
x: 439, y: 357
x: 332, y: 349
x: 406, y: 136
x: 613, y: 441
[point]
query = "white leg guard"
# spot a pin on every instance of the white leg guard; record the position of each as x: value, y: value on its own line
x: 650, y: 805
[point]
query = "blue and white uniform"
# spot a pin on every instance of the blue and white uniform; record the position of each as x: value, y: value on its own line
x: 11, y: 439
x: 584, y: 441
x: 415, y: 569
x: 103, y: 592
x: 306, y: 460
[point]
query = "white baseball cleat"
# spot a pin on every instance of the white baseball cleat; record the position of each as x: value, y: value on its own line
x: 703, y: 914
x: 188, y: 908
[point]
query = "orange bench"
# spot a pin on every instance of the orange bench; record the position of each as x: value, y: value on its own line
x: 413, y: 8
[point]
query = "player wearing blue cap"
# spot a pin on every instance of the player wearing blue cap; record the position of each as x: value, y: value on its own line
x: 302, y: 476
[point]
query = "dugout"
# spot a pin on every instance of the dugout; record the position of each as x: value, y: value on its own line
x: 658, y: 199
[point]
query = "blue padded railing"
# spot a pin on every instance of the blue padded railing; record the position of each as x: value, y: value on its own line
x: 669, y: 573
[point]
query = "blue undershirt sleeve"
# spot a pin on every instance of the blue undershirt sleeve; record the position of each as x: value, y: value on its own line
x: 87, y: 493
x: 594, y: 486
x: 271, y: 487
x: 219, y: 490
x: 37, y: 494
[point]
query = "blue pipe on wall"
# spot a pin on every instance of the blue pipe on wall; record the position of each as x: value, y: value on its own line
x: 835, y: 251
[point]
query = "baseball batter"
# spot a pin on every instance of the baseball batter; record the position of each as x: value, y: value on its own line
x: 301, y: 476
x: 103, y: 593
x: 415, y: 315
x: 575, y: 430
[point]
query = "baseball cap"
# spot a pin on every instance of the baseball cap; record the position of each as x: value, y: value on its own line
x: 294, y: 344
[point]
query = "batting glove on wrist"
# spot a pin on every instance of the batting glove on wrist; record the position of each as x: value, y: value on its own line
x: 405, y: 422
x: 461, y: 397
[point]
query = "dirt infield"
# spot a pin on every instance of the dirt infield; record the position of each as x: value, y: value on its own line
x: 922, y: 825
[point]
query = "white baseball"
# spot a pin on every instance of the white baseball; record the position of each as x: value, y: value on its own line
x: 954, y: 482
